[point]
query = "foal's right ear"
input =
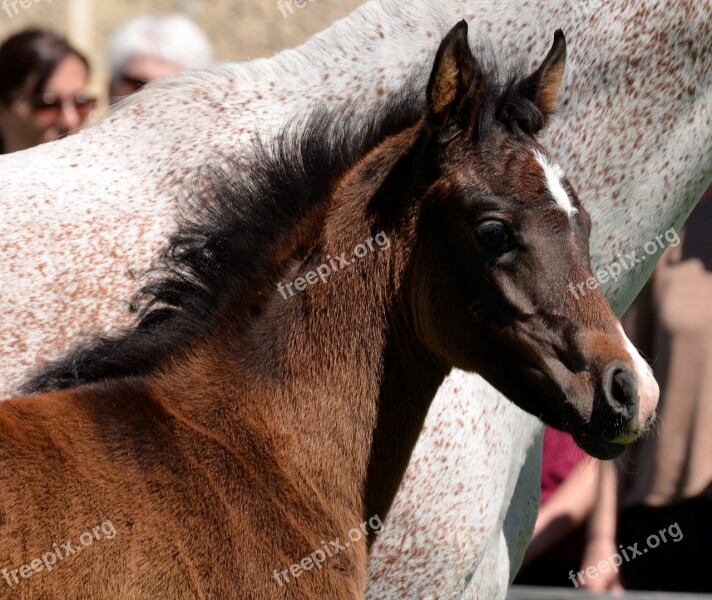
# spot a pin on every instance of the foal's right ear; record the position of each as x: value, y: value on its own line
x: 452, y: 75
x: 543, y: 86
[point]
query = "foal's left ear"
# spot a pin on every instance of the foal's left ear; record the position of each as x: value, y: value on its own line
x: 451, y: 77
x: 543, y: 86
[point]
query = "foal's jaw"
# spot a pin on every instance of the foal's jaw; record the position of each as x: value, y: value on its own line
x: 587, y: 380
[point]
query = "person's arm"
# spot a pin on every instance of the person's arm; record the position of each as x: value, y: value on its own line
x: 566, y: 509
x: 601, y: 534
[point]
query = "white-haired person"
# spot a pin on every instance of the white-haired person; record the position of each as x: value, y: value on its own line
x: 151, y: 47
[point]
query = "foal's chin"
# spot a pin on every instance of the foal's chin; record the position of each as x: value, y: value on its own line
x: 598, y: 425
x: 604, y: 443
x: 599, y: 446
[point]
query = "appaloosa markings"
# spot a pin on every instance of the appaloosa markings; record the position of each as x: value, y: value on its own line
x: 637, y: 132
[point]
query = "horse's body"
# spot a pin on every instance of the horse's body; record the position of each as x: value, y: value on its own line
x: 78, y: 213
x: 264, y: 424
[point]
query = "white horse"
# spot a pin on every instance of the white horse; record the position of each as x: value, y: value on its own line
x: 77, y: 214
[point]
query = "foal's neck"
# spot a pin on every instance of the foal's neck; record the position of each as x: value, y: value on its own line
x: 333, y: 370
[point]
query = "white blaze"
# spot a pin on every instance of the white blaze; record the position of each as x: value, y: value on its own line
x: 554, y: 175
x: 648, y: 391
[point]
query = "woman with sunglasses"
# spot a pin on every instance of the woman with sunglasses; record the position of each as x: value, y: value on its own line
x: 43, y: 89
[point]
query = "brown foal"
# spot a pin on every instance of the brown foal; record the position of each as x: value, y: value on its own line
x: 311, y: 303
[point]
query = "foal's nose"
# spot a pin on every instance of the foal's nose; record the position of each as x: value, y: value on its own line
x: 621, y: 392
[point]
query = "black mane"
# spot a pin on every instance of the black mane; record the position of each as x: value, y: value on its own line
x: 232, y: 222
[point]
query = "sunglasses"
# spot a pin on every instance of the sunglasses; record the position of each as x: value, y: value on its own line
x: 134, y: 82
x: 49, y: 102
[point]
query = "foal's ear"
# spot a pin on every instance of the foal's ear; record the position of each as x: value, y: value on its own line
x: 543, y: 86
x: 452, y: 74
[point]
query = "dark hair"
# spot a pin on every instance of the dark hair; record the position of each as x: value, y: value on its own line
x: 32, y: 52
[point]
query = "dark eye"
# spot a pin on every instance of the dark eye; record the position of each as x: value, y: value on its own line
x: 493, y: 236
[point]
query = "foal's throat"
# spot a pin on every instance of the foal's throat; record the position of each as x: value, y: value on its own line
x: 358, y: 388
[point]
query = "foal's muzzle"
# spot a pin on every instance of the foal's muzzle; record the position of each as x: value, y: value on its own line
x: 618, y: 412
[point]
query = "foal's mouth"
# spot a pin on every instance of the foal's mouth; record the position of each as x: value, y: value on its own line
x: 606, y: 448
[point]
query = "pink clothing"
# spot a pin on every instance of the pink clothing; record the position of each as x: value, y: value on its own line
x: 560, y: 457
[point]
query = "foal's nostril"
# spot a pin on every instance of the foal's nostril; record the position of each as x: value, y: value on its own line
x: 621, y: 391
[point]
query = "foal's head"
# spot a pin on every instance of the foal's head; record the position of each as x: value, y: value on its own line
x: 503, y: 235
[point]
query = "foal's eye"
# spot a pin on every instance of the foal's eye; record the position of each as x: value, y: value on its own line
x: 493, y: 236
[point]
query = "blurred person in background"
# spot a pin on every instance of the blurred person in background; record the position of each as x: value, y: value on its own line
x: 149, y: 48
x: 569, y: 480
x: 43, y: 89
x: 661, y: 498
x: 667, y: 479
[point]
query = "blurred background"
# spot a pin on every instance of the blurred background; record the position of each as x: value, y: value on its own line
x: 237, y: 29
